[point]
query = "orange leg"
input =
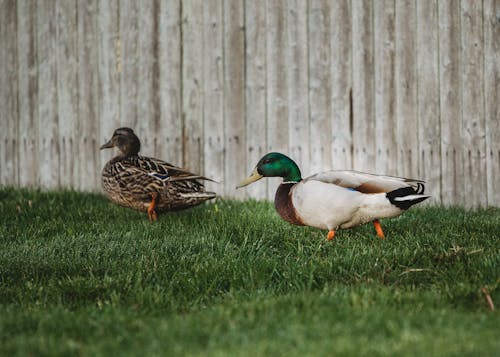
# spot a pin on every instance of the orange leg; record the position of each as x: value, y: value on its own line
x: 378, y: 228
x: 151, y: 209
x: 331, y: 234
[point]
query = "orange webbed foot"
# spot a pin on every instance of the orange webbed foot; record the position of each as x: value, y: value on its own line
x: 151, y: 209
x: 330, y: 235
x: 378, y: 229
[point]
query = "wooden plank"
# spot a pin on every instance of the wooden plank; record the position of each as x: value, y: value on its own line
x: 88, y: 121
x: 109, y: 67
x: 128, y: 65
x: 213, y: 110
x: 384, y: 66
x: 48, y: 144
x: 28, y: 93
x: 473, y: 104
x: 406, y: 89
x: 277, y: 86
x: 234, y: 98
x: 428, y: 97
x: 8, y: 94
x: 297, y: 79
x: 363, y: 114
x: 341, y: 62
x: 452, y: 167
x: 491, y: 11
x: 192, y: 84
x: 320, y: 86
x: 67, y: 89
x: 169, y: 142
x: 255, y: 91
x: 147, y: 75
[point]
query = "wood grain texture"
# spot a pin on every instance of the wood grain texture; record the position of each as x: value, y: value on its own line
x: 406, y: 87
x: 67, y: 89
x: 474, y: 155
x: 88, y: 122
x: 234, y: 97
x: 28, y: 94
x: 169, y: 132
x: 9, y: 147
x: 298, y: 79
x: 405, y: 72
x: 320, y: 86
x: 47, y: 114
x: 363, y: 102
x: 428, y: 97
x: 452, y: 165
x: 213, y: 88
x: 277, y: 85
x: 491, y: 23
x: 109, y: 68
x: 341, y: 69
x: 192, y: 84
x: 384, y: 76
x: 255, y: 91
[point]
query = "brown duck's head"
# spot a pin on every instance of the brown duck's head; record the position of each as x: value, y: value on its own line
x: 125, y: 140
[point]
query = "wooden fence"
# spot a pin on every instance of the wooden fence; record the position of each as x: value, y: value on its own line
x: 403, y: 87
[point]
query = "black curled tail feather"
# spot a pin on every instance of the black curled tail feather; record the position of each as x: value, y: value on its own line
x: 405, y: 197
x: 420, y: 188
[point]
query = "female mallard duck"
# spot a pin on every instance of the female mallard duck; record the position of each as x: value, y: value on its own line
x: 336, y: 199
x: 147, y: 184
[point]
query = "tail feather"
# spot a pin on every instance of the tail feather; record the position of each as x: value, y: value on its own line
x: 406, y: 197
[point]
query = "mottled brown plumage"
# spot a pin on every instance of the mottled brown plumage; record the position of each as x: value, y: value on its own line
x: 148, y: 184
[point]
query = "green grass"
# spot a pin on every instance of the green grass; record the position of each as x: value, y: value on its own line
x: 81, y: 276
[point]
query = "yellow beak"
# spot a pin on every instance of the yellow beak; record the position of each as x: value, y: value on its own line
x: 254, y: 176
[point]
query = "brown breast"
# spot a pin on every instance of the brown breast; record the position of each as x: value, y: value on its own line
x: 283, y: 204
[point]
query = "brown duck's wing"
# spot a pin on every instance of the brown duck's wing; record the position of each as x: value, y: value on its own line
x: 367, y: 183
x: 163, y: 168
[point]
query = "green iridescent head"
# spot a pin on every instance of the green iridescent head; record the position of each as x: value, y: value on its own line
x: 274, y: 164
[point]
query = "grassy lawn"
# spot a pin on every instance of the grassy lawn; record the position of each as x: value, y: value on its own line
x: 81, y: 276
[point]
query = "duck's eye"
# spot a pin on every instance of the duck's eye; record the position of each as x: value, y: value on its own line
x: 266, y: 161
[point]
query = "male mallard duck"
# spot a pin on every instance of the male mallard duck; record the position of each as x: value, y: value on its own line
x: 336, y: 199
x: 147, y: 184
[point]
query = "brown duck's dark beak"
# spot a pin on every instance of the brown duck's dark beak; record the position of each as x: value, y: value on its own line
x: 108, y: 145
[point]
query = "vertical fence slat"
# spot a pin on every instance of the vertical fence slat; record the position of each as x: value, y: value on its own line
x: 255, y: 91
x: 28, y: 93
x: 169, y: 135
x: 452, y: 172
x: 109, y: 67
x: 428, y: 97
x: 213, y: 110
x: 491, y: 21
x: 128, y: 55
x: 192, y: 84
x: 47, y: 96
x: 473, y: 106
x: 297, y: 79
x: 362, y: 87
x: 320, y: 86
x: 385, y: 124
x: 147, y: 75
x: 341, y: 84
x: 277, y: 86
x: 255, y: 88
x: 234, y: 97
x: 405, y: 73
x: 88, y: 121
x: 67, y: 88
x: 8, y: 94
